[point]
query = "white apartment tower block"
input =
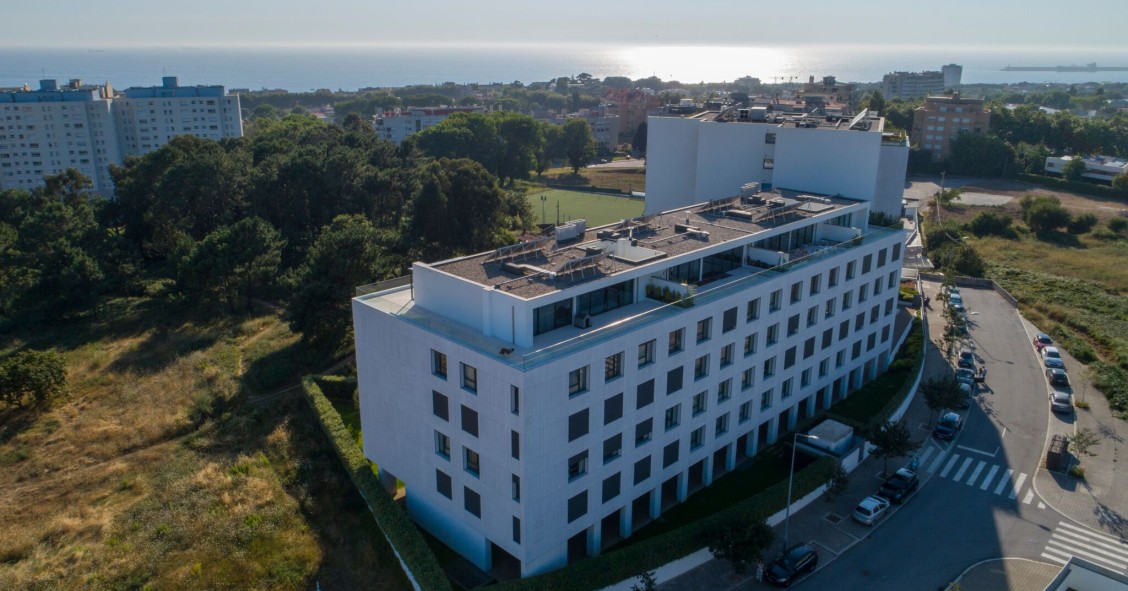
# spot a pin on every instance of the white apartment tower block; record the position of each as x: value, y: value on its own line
x: 695, y: 159
x: 44, y: 132
x: 544, y: 400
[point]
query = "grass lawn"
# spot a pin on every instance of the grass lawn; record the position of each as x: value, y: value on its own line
x: 613, y: 179
x: 596, y: 209
x: 179, y: 458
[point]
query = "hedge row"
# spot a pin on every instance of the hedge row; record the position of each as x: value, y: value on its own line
x: 635, y: 559
x: 907, y: 363
x: 336, y: 387
x: 394, y: 522
x: 1072, y: 186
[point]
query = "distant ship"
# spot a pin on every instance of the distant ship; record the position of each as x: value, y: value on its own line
x: 1090, y: 67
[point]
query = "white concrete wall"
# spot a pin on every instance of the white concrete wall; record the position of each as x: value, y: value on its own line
x: 893, y: 165
x: 728, y: 156
x: 671, y: 163
x: 449, y: 296
x: 827, y: 161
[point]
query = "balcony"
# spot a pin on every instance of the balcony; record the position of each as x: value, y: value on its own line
x: 565, y: 341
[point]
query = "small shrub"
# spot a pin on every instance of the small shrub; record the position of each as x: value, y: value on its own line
x: 992, y: 223
x: 1105, y: 234
x: 1082, y: 404
x: 1118, y: 224
x: 1082, y: 223
x: 1077, y: 471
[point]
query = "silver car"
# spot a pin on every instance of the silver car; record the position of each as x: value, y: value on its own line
x: 870, y: 510
x: 1061, y: 401
x: 1052, y: 357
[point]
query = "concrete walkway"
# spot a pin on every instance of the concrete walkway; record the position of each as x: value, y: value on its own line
x: 1006, y: 574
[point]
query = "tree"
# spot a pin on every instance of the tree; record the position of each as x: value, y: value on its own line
x: 941, y: 393
x: 234, y: 261
x: 1084, y: 441
x: 579, y: 143
x: 1043, y: 213
x: 891, y: 440
x: 265, y: 111
x: 1075, y: 169
x: 1082, y: 223
x: 347, y: 253
x: 979, y: 154
x: 1120, y: 185
x: 875, y: 102
x: 459, y: 209
x: 639, y: 141
x: 646, y: 582
x: 38, y: 374
x: 741, y: 541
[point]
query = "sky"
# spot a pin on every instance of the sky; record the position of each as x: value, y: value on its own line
x: 326, y: 23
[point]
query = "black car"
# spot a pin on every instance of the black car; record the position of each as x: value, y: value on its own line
x: 1057, y: 377
x: 948, y: 425
x: 898, y: 486
x: 795, y: 562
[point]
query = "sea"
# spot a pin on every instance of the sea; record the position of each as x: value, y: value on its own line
x: 298, y: 69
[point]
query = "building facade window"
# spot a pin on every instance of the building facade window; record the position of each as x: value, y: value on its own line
x: 700, y: 401
x: 471, y: 462
x: 469, y: 378
x: 438, y: 364
x: 442, y: 445
x: 578, y: 381
x: 443, y: 484
x: 673, y: 416
x: 646, y: 353
x: 677, y: 341
x: 613, y: 367
x: 644, y: 431
x: 766, y: 399
x: 472, y: 502
x: 440, y: 405
x: 578, y: 425
x: 704, y: 329
x: 701, y: 367
x: 612, y: 448
x: 577, y: 465
x: 697, y: 438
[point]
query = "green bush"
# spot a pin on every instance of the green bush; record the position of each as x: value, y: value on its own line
x: 1118, y: 224
x: 393, y: 521
x: 1105, y: 234
x: 1113, y: 381
x: 337, y: 387
x: 1070, y: 186
x: 1082, y: 223
x: 992, y: 223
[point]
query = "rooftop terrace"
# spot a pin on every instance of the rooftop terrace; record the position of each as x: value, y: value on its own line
x: 536, y: 268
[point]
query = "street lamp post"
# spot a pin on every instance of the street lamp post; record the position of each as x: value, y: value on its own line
x: 939, y: 198
x: 790, y: 481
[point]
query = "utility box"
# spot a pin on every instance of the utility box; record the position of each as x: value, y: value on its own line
x: 1056, y: 453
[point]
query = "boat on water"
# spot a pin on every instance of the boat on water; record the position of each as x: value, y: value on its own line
x: 1089, y: 67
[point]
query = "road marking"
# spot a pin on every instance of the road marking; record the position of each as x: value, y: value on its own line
x: 1017, y: 485
x: 1055, y: 557
x: 1097, y: 538
x: 1069, y: 537
x: 1041, y: 505
x: 939, y: 460
x: 1086, y: 553
x: 1004, y: 481
x: 975, y: 473
x: 963, y: 468
x: 924, y: 458
x: 979, y: 451
x: 1029, y: 497
x: 948, y: 467
x: 987, y: 479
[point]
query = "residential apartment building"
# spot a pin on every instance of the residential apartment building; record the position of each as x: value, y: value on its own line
x: 942, y: 118
x: 396, y: 125
x: 909, y: 85
x: 695, y: 159
x: 47, y: 131
x: 1097, y: 168
x: 44, y: 132
x: 542, y: 401
x: 148, y: 117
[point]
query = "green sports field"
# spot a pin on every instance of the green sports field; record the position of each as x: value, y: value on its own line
x: 596, y: 209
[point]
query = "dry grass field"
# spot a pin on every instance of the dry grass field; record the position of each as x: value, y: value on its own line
x: 180, y: 458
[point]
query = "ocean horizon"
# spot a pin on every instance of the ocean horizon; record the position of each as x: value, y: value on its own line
x: 350, y: 68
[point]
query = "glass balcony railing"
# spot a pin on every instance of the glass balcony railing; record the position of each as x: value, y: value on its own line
x: 638, y: 315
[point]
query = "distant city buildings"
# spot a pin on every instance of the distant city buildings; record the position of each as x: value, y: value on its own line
x: 942, y: 118
x: 908, y: 85
x: 1098, y: 168
x: 396, y: 125
x: 89, y: 127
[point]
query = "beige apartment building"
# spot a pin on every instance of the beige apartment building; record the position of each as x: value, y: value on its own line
x: 942, y: 118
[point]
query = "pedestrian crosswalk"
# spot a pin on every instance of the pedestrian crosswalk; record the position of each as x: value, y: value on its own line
x: 974, y: 472
x: 1072, y: 540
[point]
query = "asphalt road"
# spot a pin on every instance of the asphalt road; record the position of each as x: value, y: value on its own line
x: 977, y: 502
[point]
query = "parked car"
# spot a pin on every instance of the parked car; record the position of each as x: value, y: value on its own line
x: 965, y: 402
x: 796, y: 561
x: 965, y: 376
x: 967, y: 359
x: 1057, y: 378
x: 870, y: 509
x: 899, y: 486
x: 1052, y: 357
x: 1042, y: 340
x: 947, y: 426
x: 1061, y: 401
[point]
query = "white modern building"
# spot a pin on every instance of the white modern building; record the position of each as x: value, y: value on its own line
x: 542, y: 401
x: 47, y: 131
x: 396, y: 125
x: 1097, y: 168
x: 695, y: 159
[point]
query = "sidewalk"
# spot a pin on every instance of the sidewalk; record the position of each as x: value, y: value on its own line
x: 1007, y: 574
x: 827, y: 523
